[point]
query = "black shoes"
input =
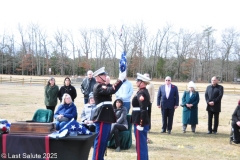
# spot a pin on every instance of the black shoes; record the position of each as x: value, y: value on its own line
x: 209, y: 132
x: 169, y: 132
x: 236, y: 142
x: 163, y: 131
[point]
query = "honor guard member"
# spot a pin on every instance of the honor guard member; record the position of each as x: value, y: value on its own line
x: 140, y: 118
x: 103, y: 115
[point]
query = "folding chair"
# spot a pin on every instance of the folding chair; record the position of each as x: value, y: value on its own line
x: 42, y: 115
x: 125, y: 137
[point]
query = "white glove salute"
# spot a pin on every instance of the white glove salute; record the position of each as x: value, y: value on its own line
x: 122, y: 75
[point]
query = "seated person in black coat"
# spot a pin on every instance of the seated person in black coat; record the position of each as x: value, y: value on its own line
x: 121, y: 124
x: 236, y: 124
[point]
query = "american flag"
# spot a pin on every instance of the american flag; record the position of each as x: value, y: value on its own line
x: 71, y: 126
x: 121, y: 31
x: 123, y: 62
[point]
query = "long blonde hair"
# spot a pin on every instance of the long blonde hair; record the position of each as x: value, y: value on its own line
x: 65, y: 95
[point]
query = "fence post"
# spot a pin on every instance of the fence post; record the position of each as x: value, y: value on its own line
x: 23, y: 81
x: 10, y: 78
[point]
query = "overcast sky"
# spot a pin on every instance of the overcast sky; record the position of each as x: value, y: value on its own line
x: 75, y: 14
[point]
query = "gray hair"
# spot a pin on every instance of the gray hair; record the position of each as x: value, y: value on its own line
x: 89, y: 72
x: 168, y: 77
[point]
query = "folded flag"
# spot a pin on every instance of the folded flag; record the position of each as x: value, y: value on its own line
x: 71, y: 126
x: 123, y: 62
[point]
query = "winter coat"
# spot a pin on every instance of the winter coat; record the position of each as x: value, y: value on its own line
x: 190, y: 116
x: 67, y: 110
x: 236, y: 114
x: 214, y: 93
x: 87, y: 86
x: 121, y: 114
x: 51, y: 95
x: 69, y: 90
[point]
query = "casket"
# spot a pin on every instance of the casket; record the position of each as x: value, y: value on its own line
x: 31, y: 128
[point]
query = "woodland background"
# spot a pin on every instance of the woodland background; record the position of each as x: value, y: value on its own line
x: 184, y: 55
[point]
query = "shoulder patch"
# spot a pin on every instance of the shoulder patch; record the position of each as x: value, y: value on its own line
x: 141, y: 98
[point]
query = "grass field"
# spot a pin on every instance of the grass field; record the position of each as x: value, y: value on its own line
x: 19, y: 102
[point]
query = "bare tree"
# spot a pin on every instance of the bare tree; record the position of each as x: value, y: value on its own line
x: 71, y: 40
x: 182, y: 47
x: 61, y: 49
x: 24, y: 50
x: 229, y: 37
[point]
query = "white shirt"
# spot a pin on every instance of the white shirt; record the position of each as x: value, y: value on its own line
x: 190, y: 94
x: 167, y: 89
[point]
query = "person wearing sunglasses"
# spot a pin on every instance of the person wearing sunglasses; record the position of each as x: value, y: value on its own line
x: 167, y: 101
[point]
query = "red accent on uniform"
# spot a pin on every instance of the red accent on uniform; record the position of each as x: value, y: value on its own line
x: 99, y: 140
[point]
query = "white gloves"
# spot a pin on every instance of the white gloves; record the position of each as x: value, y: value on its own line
x: 139, y: 128
x: 122, y: 75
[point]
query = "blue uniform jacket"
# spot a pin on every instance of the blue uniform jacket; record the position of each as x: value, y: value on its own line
x: 173, y: 99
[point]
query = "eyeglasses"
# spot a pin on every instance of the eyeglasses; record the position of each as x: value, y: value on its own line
x: 167, y: 80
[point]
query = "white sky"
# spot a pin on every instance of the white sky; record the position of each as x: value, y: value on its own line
x: 75, y: 14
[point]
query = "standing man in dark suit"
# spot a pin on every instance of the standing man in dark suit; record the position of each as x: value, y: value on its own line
x: 168, y: 101
x: 213, y: 97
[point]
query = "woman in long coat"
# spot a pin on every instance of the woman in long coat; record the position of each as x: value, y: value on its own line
x: 190, y: 101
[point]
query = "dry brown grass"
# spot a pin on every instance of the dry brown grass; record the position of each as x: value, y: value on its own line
x: 19, y: 102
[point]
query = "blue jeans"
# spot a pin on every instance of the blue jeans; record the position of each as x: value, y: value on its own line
x: 61, y: 124
x: 86, y: 100
x: 127, y: 105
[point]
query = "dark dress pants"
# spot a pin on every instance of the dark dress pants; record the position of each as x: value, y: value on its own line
x: 115, y: 130
x: 236, y: 131
x: 52, y: 108
x: 167, y: 119
x: 216, y: 121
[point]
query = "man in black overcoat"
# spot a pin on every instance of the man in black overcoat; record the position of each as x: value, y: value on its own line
x: 213, y: 97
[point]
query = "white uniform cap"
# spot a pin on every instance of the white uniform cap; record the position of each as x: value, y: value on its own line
x: 143, y: 78
x: 99, y: 72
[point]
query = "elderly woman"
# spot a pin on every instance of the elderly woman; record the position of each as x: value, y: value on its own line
x: 236, y: 124
x: 65, y: 112
x: 190, y: 101
x: 121, y: 124
x: 87, y: 112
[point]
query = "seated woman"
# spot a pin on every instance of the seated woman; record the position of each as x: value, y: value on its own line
x: 236, y: 124
x: 86, y: 114
x: 121, y: 124
x: 65, y: 112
